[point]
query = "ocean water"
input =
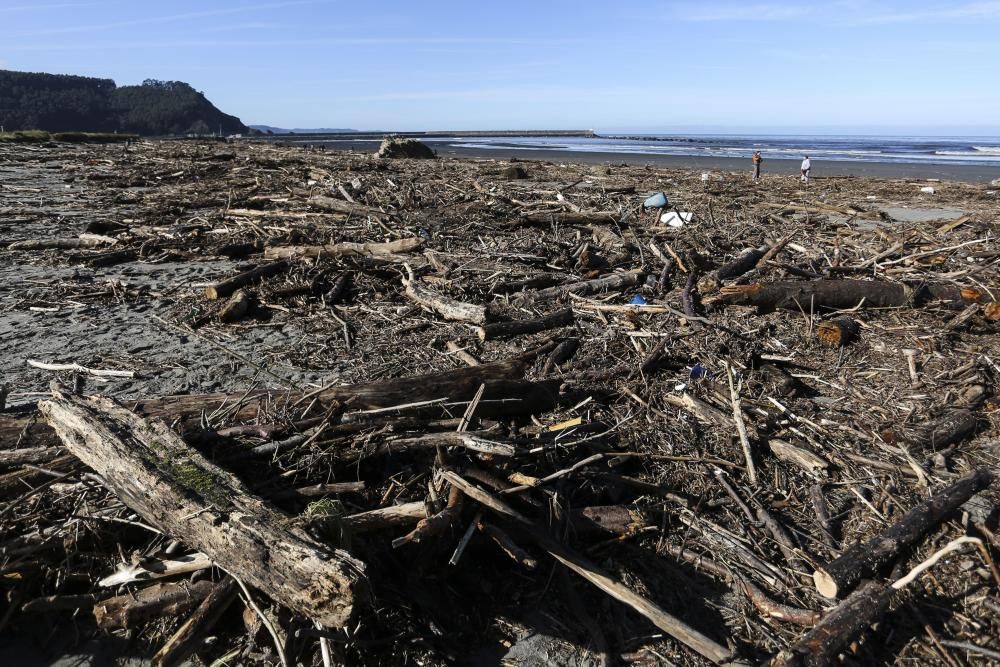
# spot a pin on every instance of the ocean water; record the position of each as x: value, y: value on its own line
x: 915, y: 150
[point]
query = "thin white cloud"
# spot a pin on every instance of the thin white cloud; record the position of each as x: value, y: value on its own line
x: 971, y: 10
x: 263, y: 43
x: 39, y: 8
x: 708, y: 12
x: 172, y: 18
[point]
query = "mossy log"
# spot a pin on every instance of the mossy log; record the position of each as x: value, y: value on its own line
x: 176, y: 489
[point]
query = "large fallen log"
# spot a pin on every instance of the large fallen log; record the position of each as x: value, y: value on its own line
x: 176, y: 489
x: 865, y: 559
x: 345, y: 249
x: 506, y: 394
x: 845, y: 294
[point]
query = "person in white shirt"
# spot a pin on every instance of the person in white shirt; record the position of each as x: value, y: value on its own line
x: 806, y: 167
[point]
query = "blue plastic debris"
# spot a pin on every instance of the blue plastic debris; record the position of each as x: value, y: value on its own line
x: 698, y: 372
x: 637, y: 300
x: 424, y: 233
x: 659, y: 200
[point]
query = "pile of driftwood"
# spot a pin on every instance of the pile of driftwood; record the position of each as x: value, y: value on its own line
x: 561, y: 427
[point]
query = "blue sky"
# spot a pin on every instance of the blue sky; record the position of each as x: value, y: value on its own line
x: 928, y: 67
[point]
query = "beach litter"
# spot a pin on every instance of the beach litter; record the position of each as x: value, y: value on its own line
x: 404, y: 413
x: 677, y: 218
x: 928, y: 190
x: 658, y: 200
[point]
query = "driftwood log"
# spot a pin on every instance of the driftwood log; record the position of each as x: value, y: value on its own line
x: 505, y: 394
x: 176, y: 489
x: 950, y: 428
x: 843, y: 294
x: 224, y: 288
x: 345, y: 249
x: 820, y: 646
x: 449, y: 309
x: 185, y: 641
x: 866, y: 559
x: 173, y: 599
x: 613, y: 281
x: 496, y: 330
x: 571, y: 218
x: 341, y: 206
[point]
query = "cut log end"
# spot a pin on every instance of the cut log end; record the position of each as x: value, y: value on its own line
x: 837, y: 332
x: 825, y: 584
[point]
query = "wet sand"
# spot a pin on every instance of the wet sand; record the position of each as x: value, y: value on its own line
x: 821, y: 169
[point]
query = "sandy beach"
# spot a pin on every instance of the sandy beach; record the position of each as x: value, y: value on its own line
x: 771, y: 167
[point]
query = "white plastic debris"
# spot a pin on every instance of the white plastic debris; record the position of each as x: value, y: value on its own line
x: 928, y: 190
x: 675, y: 219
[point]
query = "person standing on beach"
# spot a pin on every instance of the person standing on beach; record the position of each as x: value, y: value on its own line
x: 806, y: 168
x: 756, y: 165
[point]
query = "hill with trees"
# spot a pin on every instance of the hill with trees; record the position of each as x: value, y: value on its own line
x: 64, y: 103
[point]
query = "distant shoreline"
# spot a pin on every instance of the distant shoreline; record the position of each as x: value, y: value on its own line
x: 821, y: 168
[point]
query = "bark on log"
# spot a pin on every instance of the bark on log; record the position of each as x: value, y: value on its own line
x: 865, y: 559
x: 176, y: 489
x: 821, y: 645
x: 222, y: 289
x: 609, y: 282
x: 518, y: 327
x: 843, y: 294
x: 345, y: 249
x: 839, y: 331
x: 953, y: 427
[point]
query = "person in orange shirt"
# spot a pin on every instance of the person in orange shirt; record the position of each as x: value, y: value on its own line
x: 756, y: 165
